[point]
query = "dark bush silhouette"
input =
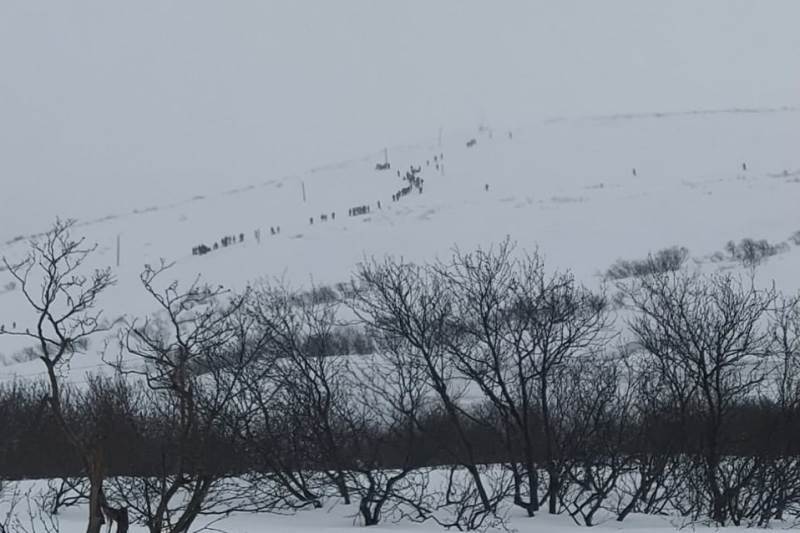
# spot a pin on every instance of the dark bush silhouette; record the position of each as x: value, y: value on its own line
x: 666, y: 260
x: 751, y: 252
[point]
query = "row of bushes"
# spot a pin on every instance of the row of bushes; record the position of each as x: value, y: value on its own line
x: 749, y: 252
x: 509, y: 378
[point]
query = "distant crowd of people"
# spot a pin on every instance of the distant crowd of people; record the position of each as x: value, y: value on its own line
x: 358, y: 210
x: 224, y: 242
x: 230, y: 240
x: 412, y: 179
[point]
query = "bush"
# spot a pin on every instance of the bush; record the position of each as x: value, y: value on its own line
x: 666, y: 260
x: 340, y: 341
x: 324, y: 294
x: 751, y: 252
x: 795, y: 238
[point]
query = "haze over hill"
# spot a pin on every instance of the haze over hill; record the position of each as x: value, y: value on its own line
x: 106, y: 107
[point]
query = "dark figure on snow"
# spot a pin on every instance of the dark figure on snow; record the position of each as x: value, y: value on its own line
x: 241, y: 237
x: 744, y: 166
x: 333, y: 216
x: 634, y: 172
x: 486, y: 187
x: 311, y: 220
x: 379, y: 204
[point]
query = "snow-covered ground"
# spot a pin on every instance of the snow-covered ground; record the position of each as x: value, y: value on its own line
x: 170, y: 125
x: 336, y: 517
x: 566, y: 186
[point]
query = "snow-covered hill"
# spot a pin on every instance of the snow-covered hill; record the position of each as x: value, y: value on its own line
x: 566, y: 186
x: 169, y: 126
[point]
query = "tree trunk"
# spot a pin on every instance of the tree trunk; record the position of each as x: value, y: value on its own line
x: 96, y: 475
x: 552, y: 489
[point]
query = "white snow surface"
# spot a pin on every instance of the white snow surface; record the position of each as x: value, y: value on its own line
x: 336, y: 517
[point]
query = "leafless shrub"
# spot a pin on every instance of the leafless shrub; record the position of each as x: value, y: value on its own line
x: 65, y: 492
x: 705, y: 335
x: 596, y: 413
x: 33, y: 518
x: 450, y: 499
x: 752, y: 252
x: 666, y: 260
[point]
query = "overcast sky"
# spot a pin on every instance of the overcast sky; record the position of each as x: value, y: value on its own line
x: 109, y: 106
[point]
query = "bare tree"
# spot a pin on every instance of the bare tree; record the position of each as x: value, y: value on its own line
x: 594, y: 409
x: 657, y: 443
x: 513, y: 326
x: 313, y: 387
x: 481, y: 345
x: 775, y: 494
x: 66, y: 492
x: 193, y: 357
x: 706, y: 335
x: 276, y: 439
x: 411, y: 309
x: 63, y: 297
x: 387, y: 402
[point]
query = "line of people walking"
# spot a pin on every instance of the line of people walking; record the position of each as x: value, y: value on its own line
x: 412, y: 178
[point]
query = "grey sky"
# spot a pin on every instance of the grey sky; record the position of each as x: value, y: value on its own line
x: 106, y: 106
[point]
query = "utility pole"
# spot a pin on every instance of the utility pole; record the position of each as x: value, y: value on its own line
x: 303, y: 185
x: 386, y: 156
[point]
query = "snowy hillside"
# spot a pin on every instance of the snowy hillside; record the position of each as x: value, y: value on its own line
x: 172, y: 126
x: 564, y: 185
